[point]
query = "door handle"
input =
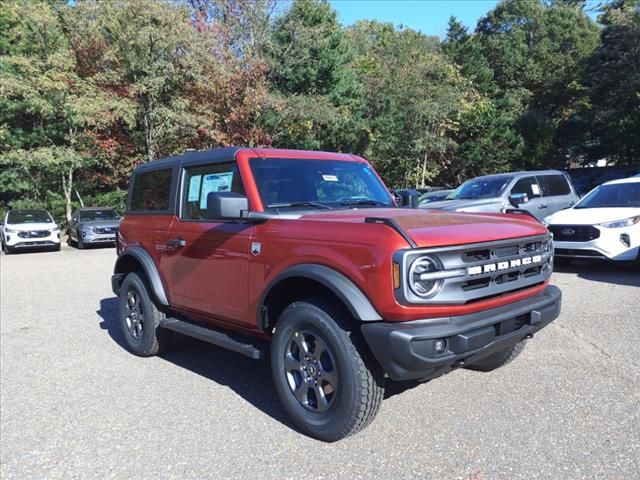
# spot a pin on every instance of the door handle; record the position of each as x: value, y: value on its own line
x: 177, y: 243
x: 542, y: 206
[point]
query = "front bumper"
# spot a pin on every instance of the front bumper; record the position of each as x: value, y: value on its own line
x: 407, y: 350
x: 90, y: 238
x: 607, y: 247
x: 13, y: 240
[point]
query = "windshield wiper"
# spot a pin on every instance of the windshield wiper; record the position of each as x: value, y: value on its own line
x: 300, y: 204
x: 368, y: 201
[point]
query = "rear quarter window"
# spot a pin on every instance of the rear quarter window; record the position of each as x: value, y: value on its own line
x: 554, y: 185
x: 151, y: 191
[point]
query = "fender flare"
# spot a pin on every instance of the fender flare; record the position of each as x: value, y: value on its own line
x: 149, y: 267
x: 344, y: 289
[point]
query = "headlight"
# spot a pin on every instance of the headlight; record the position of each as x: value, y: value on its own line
x: 10, y: 230
x: 419, y: 279
x: 621, y: 223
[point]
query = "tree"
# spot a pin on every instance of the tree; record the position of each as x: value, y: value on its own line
x: 612, y: 77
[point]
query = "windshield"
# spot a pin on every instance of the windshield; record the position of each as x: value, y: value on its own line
x: 29, y: 216
x: 614, y: 195
x: 317, y: 183
x: 484, y: 187
x: 106, y: 214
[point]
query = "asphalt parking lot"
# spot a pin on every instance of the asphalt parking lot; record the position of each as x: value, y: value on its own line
x: 75, y: 404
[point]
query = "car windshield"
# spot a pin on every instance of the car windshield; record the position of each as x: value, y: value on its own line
x: 612, y: 195
x: 484, y: 187
x: 322, y: 184
x: 91, y: 215
x: 29, y: 216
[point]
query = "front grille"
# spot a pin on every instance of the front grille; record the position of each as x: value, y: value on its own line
x: 574, y: 233
x: 34, y: 234
x: 105, y: 230
x: 482, y: 271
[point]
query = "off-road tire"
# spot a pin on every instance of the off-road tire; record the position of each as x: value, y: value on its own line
x: 360, y: 379
x: 498, y: 359
x: 153, y: 339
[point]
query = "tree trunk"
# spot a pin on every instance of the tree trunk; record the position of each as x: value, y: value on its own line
x: 67, y: 188
x: 79, y: 198
x: 149, y: 133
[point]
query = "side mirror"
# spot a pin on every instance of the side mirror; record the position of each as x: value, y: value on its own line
x: 409, y: 198
x: 226, y: 205
x: 517, y: 199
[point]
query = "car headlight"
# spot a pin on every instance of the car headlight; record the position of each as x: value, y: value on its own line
x: 621, y: 223
x: 420, y: 281
x: 10, y: 230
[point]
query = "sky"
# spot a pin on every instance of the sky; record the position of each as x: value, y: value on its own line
x: 428, y: 16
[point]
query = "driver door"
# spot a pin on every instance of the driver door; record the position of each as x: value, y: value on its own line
x: 536, y: 205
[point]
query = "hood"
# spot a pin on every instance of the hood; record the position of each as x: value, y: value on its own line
x: 31, y: 226
x: 431, y: 228
x: 592, y: 216
x: 453, y: 205
x: 99, y: 223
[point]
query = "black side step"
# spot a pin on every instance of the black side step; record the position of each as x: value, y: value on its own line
x: 215, y: 337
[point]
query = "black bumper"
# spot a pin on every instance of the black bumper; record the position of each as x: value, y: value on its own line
x: 407, y: 350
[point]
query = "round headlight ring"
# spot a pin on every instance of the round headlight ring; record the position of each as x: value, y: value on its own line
x: 427, y: 288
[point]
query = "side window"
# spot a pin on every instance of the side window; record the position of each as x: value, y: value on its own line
x: 151, y: 191
x: 199, y: 181
x: 553, y: 185
x: 527, y: 185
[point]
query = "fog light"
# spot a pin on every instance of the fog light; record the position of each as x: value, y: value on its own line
x: 439, y: 345
x: 625, y: 239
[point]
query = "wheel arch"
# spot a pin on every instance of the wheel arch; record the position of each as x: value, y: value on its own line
x: 136, y: 259
x: 305, y: 280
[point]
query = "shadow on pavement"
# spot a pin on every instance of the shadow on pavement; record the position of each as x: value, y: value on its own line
x: 620, y: 273
x: 248, y: 378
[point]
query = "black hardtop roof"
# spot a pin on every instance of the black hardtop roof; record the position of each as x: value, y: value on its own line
x: 213, y: 155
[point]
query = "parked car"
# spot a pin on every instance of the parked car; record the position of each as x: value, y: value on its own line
x: 305, y: 255
x: 93, y: 226
x: 605, y: 224
x: 28, y: 229
x: 540, y: 193
x: 433, y: 196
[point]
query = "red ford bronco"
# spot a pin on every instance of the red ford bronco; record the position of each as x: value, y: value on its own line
x: 305, y: 255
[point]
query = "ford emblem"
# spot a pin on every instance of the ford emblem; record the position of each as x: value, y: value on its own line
x: 567, y: 231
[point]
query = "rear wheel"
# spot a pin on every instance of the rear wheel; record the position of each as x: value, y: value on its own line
x: 324, y: 375
x: 498, y: 359
x: 140, y: 318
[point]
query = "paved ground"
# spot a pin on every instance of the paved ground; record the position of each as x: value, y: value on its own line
x: 75, y: 404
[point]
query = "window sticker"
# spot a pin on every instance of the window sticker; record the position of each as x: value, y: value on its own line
x: 330, y: 178
x: 194, y: 188
x: 535, y: 189
x: 216, y: 182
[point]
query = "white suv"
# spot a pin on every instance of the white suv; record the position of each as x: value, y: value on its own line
x: 24, y: 229
x: 605, y: 224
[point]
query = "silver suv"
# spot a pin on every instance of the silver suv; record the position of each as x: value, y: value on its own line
x: 541, y: 193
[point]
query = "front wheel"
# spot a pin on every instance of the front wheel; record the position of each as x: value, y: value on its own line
x: 491, y: 362
x: 324, y: 375
x: 140, y: 318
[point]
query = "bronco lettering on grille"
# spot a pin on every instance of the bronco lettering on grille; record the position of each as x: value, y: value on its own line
x: 505, y: 265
